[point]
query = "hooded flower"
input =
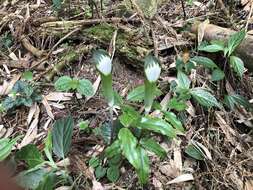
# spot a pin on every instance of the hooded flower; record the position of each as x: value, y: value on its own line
x: 103, y: 62
x: 152, y: 69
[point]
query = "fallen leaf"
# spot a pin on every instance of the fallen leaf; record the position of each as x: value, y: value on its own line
x: 201, y: 30
x: 95, y: 87
x: 48, y: 108
x: 96, y: 185
x: 32, y: 131
x: 59, y: 96
x: 181, y: 178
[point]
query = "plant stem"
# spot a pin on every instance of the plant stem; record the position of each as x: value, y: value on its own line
x: 111, y: 122
x: 149, y: 95
x: 107, y: 89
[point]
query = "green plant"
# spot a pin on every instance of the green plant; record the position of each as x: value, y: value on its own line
x: 103, y: 64
x: 22, y: 93
x: 132, y: 136
x: 82, y: 86
x: 229, y: 50
x: 43, y: 173
x: 152, y: 71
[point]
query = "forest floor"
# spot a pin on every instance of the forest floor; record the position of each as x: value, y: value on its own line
x: 35, y: 36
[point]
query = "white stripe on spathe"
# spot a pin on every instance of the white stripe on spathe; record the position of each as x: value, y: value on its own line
x: 152, y: 72
x: 104, y: 64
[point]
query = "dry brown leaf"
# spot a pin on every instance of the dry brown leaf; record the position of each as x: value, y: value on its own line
x: 59, y: 96
x: 32, y: 131
x: 201, y: 30
x: 95, y: 87
x: 182, y: 178
x: 64, y: 188
x: 206, y: 152
x: 190, y: 109
x: 9, y: 132
x: 249, y: 185
x: 48, y: 108
x: 177, y: 155
x: 96, y: 185
x: 7, y: 86
x: 57, y: 105
x: 169, y: 169
x: 2, y: 131
x: 157, y: 184
x: 31, y: 113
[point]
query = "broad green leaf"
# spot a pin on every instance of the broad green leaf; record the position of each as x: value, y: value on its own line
x: 143, y: 170
x: 217, y: 75
x: 28, y: 75
x: 83, y: 125
x: 62, y: 135
x: 218, y: 42
x: 6, y: 146
x: 115, y: 160
x: 31, y: 155
x: 136, y: 156
x: 57, y: 4
x: 85, y: 87
x: 138, y: 93
x: 172, y: 119
x: 193, y: 152
x: 100, y: 172
x: 22, y: 87
x: 113, y: 149
x: 128, y: 144
x: 157, y: 125
x: 151, y: 145
x: 235, y: 40
x: 47, y: 183
x: 113, y: 173
x: 237, y: 64
x: 183, y: 81
x: 177, y: 105
x: 64, y: 83
x: 106, y: 130
x: 128, y: 116
x: 230, y: 102
x: 211, y: 48
x: 94, y: 162
x: 30, y: 179
x: 235, y: 99
x: 74, y: 83
x: 49, y: 147
x: 204, y: 97
x: 204, y: 61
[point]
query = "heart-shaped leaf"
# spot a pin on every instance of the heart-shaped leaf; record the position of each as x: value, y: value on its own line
x: 85, y: 87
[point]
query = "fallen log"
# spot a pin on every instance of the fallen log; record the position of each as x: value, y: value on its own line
x: 244, y: 50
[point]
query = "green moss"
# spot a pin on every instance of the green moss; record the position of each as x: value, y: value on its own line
x: 131, y: 50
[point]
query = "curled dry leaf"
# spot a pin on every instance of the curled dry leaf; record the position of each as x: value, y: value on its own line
x: 181, y: 178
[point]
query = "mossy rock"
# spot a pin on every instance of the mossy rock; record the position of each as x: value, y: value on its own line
x: 128, y: 44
